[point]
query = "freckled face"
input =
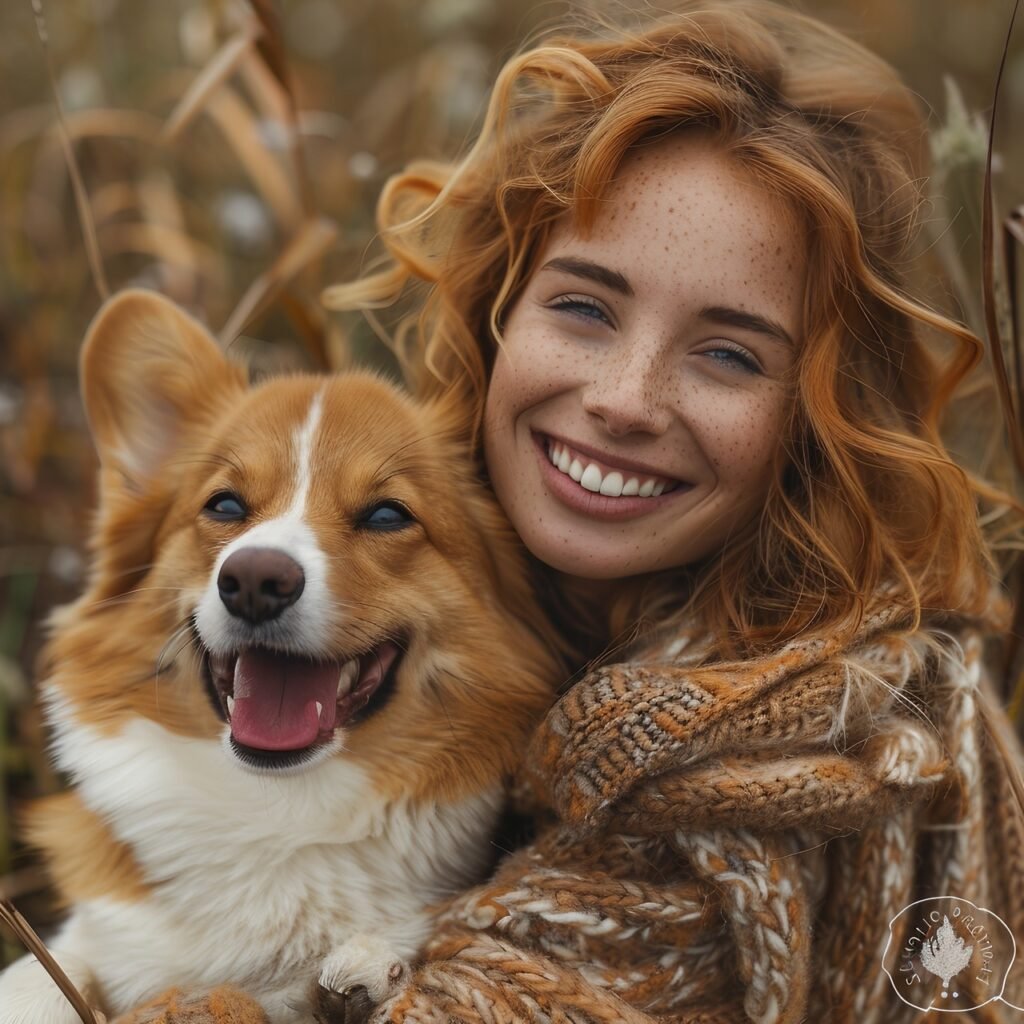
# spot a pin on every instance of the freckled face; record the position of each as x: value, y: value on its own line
x: 647, y: 361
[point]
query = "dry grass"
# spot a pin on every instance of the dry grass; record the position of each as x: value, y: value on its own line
x: 231, y: 159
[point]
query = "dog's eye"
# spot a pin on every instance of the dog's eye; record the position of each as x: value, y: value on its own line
x: 225, y: 506
x: 388, y: 515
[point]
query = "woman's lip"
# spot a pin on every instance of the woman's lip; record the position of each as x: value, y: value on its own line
x: 598, y: 506
x: 621, y: 466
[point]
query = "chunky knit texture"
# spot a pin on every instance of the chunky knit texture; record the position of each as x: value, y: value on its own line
x: 731, y: 840
x: 728, y: 842
x: 221, y: 1006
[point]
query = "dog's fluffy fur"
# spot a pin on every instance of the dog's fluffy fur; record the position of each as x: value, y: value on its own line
x: 192, y: 856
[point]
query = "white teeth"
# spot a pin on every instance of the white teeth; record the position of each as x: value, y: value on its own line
x: 319, y: 709
x: 612, y: 485
x: 591, y: 478
x: 347, y: 676
x: 240, y: 684
x: 231, y: 707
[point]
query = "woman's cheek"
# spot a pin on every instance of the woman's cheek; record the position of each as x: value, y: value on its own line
x: 534, y: 363
x: 743, y: 437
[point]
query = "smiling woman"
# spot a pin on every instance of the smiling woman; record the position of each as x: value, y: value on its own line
x: 654, y: 353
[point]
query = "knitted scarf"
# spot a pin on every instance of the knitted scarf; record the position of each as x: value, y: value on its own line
x: 729, y: 842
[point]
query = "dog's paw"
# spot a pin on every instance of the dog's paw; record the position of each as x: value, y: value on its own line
x: 354, y: 978
x: 350, y: 1006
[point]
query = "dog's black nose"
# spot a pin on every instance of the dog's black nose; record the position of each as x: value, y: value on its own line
x: 257, y: 584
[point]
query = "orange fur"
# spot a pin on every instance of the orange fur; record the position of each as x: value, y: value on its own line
x: 82, y: 852
x: 174, y: 428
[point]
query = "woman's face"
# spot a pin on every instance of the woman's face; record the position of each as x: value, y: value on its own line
x: 639, y: 397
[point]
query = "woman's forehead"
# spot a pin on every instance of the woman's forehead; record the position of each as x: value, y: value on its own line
x: 683, y: 214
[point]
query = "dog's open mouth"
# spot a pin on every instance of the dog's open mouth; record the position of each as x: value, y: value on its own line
x: 279, y: 705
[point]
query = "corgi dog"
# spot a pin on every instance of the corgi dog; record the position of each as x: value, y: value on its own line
x: 305, y: 661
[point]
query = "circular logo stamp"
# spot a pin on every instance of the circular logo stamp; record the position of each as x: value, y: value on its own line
x: 945, y: 953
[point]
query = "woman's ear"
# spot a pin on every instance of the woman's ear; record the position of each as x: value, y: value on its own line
x: 150, y: 375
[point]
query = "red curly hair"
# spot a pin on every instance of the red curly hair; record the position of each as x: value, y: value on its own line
x: 866, y: 500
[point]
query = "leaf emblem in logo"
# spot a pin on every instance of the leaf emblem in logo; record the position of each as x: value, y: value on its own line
x: 945, y: 954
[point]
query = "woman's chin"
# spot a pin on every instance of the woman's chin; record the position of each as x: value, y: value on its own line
x: 573, y: 555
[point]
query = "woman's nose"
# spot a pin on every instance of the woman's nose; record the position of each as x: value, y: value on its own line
x: 628, y: 394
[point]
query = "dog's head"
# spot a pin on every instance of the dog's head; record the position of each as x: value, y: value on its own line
x: 305, y: 568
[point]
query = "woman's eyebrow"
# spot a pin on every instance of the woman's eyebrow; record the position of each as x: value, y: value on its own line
x: 729, y: 317
x: 725, y: 315
x: 591, y: 271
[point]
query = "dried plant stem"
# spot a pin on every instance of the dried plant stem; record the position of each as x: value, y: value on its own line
x: 311, y: 241
x: 273, y: 52
x: 221, y: 66
x: 92, y: 247
x: 988, y: 269
x: 238, y: 125
x: 1013, y: 238
x: 1010, y: 403
x: 26, y: 934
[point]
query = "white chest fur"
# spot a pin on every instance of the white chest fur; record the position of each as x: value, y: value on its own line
x: 255, y: 878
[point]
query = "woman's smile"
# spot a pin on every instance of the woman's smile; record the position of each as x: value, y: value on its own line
x: 608, y: 490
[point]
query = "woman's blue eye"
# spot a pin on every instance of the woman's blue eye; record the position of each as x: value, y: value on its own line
x: 734, y: 359
x: 225, y: 507
x: 586, y: 309
x: 388, y: 515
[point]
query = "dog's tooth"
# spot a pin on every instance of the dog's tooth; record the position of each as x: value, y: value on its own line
x: 347, y: 676
x: 231, y: 707
x: 319, y: 709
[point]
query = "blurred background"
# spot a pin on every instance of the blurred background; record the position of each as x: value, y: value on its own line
x: 231, y: 154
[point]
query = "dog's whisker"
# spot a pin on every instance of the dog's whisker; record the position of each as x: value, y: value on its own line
x: 120, y: 599
x: 436, y: 690
x: 228, y: 460
x: 183, y: 634
x: 402, y: 450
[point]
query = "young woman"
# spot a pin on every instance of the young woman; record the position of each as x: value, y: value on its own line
x: 668, y: 281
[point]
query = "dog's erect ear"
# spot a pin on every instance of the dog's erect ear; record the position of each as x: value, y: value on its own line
x: 148, y: 372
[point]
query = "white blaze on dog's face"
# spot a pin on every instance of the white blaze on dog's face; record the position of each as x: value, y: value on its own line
x: 316, y: 553
x: 267, y: 615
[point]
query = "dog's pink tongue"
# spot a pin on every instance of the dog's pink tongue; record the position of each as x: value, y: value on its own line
x: 276, y: 698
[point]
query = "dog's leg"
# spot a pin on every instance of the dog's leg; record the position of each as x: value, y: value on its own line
x: 354, y: 978
x: 28, y: 995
